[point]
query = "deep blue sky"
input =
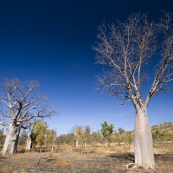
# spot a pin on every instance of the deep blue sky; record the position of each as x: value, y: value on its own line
x: 51, y: 41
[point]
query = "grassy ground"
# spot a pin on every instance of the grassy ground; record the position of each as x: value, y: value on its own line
x: 68, y: 159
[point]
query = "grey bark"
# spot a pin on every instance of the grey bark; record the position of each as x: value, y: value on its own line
x: 11, y: 140
x: 144, y: 154
x: 77, y: 143
x: 53, y: 142
x: 28, y: 143
x: 107, y: 143
x: 53, y: 146
x: 30, y: 126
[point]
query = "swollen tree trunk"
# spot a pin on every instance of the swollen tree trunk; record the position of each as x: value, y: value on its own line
x: 28, y: 143
x: 11, y: 140
x: 144, y: 154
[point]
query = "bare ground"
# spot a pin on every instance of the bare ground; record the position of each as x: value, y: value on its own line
x: 74, y: 162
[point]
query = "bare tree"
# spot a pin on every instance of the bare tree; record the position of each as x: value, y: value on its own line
x: 125, y: 48
x: 22, y: 104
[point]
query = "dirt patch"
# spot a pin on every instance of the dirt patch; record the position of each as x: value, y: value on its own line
x: 74, y: 162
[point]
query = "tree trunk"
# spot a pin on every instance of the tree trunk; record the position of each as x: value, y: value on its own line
x: 28, y: 143
x: 85, y: 148
x: 40, y: 154
x: 144, y: 154
x: 77, y: 143
x: 11, y: 140
x: 94, y: 144
x: 53, y: 146
x: 106, y: 143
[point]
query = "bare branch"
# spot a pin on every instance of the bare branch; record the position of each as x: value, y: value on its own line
x: 23, y: 101
x: 3, y: 124
x: 125, y: 49
x: 164, y: 72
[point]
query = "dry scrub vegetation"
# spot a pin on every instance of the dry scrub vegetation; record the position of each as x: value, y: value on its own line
x: 69, y: 159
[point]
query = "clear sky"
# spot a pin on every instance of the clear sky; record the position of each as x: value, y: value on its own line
x: 51, y: 41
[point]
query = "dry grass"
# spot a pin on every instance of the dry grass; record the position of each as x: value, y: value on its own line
x: 164, y: 166
x: 8, y: 169
x: 69, y: 158
x: 61, y: 162
x: 161, y: 149
x: 50, y: 154
x: 81, y: 157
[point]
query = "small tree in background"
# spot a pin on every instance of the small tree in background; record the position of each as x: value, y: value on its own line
x: 128, y: 138
x: 116, y: 137
x: 96, y: 137
x: 78, y: 134
x: 39, y: 132
x: 106, y: 131
x: 86, y: 134
x: 51, y: 137
x: 121, y: 130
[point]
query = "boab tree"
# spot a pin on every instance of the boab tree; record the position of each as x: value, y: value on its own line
x: 30, y: 136
x: 125, y: 48
x: 22, y: 103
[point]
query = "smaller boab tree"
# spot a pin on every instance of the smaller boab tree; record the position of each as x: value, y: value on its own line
x: 107, y: 131
x: 22, y: 103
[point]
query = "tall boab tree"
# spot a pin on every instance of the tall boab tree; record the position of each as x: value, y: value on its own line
x: 22, y: 103
x: 125, y: 48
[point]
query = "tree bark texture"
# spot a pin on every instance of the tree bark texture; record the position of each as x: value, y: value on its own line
x: 11, y: 140
x: 144, y: 154
x: 77, y: 143
x: 106, y: 143
x: 28, y: 143
x: 53, y: 146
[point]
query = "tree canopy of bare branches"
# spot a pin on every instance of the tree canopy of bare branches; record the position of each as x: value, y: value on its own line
x: 127, y: 47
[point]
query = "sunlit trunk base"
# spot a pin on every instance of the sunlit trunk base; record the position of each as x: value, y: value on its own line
x: 28, y: 143
x: 107, y: 143
x: 52, y: 146
x: 144, y: 154
x: 77, y: 144
x: 11, y: 140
